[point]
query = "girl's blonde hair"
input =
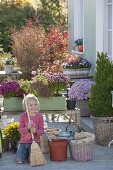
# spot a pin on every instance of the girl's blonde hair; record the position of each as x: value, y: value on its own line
x: 29, y: 97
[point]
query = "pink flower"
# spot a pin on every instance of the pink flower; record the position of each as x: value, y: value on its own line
x: 33, y: 73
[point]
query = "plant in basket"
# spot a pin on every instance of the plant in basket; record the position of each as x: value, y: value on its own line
x: 80, y: 91
x: 101, y: 100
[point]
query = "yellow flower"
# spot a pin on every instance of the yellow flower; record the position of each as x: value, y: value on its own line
x: 12, y: 131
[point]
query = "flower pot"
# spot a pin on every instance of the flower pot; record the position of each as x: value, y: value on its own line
x: 8, y: 69
x: 80, y: 48
x: 78, y: 72
x: 70, y: 104
x: 52, y: 103
x: 84, y: 107
x: 58, y: 149
x: 13, y: 104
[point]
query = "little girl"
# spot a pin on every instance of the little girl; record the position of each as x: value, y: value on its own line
x: 36, y: 127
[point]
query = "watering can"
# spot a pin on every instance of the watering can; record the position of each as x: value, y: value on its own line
x: 69, y: 132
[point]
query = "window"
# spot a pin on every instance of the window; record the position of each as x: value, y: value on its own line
x: 109, y: 28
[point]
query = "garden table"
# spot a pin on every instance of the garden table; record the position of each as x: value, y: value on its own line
x: 14, y: 75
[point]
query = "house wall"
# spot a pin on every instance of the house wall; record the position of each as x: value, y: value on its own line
x: 90, y: 31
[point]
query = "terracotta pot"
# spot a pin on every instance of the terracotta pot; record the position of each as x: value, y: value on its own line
x: 80, y: 48
x: 58, y: 149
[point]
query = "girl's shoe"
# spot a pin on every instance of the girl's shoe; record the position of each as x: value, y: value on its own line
x: 19, y: 162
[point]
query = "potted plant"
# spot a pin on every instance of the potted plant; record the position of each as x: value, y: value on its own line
x: 13, y: 94
x: 79, y: 44
x: 101, y: 100
x: 80, y: 91
x: 11, y: 134
x: 48, y: 87
x: 9, y: 62
x: 76, y: 66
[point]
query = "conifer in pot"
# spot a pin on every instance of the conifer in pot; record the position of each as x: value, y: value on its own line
x: 101, y: 100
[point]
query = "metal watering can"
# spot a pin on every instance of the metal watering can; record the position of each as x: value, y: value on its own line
x: 69, y: 132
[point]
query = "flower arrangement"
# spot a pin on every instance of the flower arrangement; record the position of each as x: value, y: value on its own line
x: 75, y: 62
x: 79, y: 42
x: 9, y: 60
x: 11, y: 131
x: 11, y: 89
x: 80, y: 90
x: 49, y: 84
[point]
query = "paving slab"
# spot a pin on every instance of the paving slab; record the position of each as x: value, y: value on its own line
x: 102, y: 155
x: 102, y: 160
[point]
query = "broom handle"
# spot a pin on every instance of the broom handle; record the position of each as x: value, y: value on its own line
x: 28, y: 116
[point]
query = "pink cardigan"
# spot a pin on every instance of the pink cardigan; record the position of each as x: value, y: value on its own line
x: 37, y: 122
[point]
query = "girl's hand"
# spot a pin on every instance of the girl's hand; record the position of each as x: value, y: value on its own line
x: 33, y: 130
x: 29, y: 126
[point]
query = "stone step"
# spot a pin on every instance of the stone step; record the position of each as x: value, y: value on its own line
x: 86, y: 124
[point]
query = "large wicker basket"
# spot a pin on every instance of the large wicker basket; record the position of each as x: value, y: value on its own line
x: 82, y: 148
x: 103, y: 129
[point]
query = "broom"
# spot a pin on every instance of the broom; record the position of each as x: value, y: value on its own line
x: 36, y: 156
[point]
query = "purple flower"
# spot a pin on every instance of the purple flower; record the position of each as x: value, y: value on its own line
x: 80, y: 90
x: 11, y: 89
x: 49, y: 84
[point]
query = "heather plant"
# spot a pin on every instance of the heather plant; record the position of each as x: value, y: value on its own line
x: 11, y: 89
x: 49, y: 84
x: 75, y: 62
x: 27, y: 47
x: 80, y: 90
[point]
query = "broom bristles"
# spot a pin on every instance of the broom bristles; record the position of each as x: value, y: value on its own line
x: 36, y: 157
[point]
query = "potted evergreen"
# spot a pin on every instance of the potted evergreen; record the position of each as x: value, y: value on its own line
x: 101, y: 100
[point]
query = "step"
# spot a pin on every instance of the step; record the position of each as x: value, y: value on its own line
x: 86, y: 124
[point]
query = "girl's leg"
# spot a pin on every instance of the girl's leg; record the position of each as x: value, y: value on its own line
x: 22, y: 153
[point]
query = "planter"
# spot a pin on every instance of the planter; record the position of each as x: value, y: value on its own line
x: 103, y: 129
x: 70, y: 104
x: 74, y: 73
x: 13, y: 104
x: 52, y: 103
x: 8, y: 69
x: 58, y: 149
x: 84, y: 107
x: 80, y: 48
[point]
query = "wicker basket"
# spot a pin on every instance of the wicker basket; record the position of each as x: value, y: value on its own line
x: 103, y: 128
x: 82, y: 148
